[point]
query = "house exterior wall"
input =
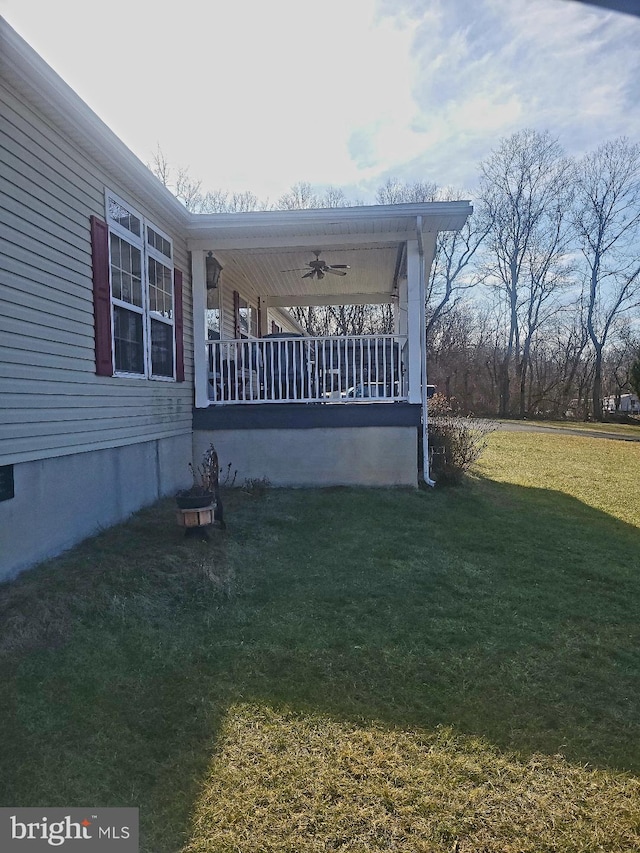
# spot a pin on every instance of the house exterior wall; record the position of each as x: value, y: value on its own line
x: 52, y: 402
x: 625, y: 404
x: 86, y: 450
x: 231, y: 280
x: 62, y: 500
x: 283, y: 319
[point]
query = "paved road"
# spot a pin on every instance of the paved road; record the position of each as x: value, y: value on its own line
x: 528, y: 426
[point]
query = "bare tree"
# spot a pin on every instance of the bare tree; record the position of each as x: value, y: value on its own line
x: 526, y: 192
x: 315, y: 321
x: 334, y: 197
x: 220, y: 201
x: 301, y: 196
x: 215, y: 201
x: 455, y: 250
x: 394, y: 191
x: 160, y: 167
x: 183, y: 186
x: 607, y: 220
x: 189, y: 190
x: 452, y: 268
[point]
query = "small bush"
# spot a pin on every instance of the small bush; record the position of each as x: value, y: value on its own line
x: 228, y: 478
x: 257, y: 487
x: 455, y: 442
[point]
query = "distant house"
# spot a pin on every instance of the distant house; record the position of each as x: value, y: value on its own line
x: 134, y: 333
x: 627, y: 404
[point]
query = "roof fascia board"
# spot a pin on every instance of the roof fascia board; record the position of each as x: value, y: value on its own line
x: 255, y: 237
x: 431, y: 212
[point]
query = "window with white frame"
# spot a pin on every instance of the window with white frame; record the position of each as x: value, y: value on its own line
x: 142, y: 293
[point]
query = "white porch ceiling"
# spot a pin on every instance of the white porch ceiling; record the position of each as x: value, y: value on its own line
x: 278, y: 272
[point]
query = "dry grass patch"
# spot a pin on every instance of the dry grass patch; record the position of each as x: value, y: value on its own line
x: 601, y: 473
x: 289, y: 782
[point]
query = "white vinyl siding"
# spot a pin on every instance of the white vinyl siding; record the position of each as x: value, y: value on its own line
x: 51, y: 401
x: 248, y: 297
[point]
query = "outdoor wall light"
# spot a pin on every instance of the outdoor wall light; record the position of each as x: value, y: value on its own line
x: 213, y: 270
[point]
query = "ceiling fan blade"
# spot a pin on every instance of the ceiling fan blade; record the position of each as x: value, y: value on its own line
x: 320, y: 274
x: 339, y: 267
x: 309, y: 274
x: 335, y: 272
x: 299, y: 269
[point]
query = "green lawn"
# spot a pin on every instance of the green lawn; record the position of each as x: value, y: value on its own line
x: 348, y: 669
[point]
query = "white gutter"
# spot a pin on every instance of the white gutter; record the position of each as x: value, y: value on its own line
x: 423, y: 356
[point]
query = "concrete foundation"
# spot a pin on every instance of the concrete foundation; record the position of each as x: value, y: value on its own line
x: 58, y: 502
x: 364, y: 456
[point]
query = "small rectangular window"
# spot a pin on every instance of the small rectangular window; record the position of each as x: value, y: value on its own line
x: 161, y: 348
x: 126, y: 271
x: 158, y: 242
x: 129, y: 340
x: 160, y: 289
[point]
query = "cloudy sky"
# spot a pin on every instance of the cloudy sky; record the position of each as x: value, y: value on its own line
x: 260, y: 94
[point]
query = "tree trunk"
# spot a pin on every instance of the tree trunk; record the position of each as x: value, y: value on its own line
x: 597, y: 386
x: 503, y: 410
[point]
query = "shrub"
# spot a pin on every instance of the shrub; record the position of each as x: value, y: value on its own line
x: 257, y: 486
x: 455, y: 442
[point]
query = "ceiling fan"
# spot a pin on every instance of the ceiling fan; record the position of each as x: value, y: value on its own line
x: 318, y: 268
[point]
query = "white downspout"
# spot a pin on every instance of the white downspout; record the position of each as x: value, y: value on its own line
x: 423, y: 357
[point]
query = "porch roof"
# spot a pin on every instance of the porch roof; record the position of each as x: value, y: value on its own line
x: 274, y: 247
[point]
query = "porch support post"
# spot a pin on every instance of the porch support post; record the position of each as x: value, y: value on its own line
x: 200, y: 360
x: 414, y: 313
x: 263, y: 316
x: 400, y: 309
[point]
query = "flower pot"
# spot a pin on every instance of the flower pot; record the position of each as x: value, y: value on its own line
x: 201, y: 517
x: 191, y: 501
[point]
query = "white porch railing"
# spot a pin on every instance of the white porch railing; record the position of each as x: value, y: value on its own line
x: 275, y: 369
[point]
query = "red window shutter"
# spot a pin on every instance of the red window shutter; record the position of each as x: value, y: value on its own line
x: 236, y: 314
x: 101, y: 297
x: 179, y: 324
